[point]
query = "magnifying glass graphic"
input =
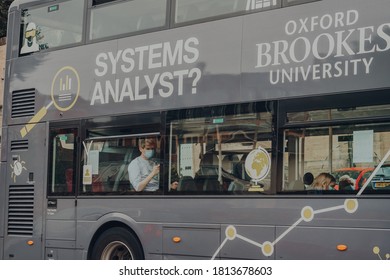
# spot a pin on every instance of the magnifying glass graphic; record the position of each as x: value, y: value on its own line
x: 65, y: 90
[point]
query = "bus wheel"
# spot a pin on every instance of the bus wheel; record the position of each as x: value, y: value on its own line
x: 117, y: 244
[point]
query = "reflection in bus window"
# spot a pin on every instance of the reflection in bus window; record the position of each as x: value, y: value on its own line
x: 210, y: 153
x: 106, y: 162
x: 51, y: 26
x: 338, y: 114
x: 190, y: 10
x: 126, y: 17
x: 343, y: 150
x: 62, y: 162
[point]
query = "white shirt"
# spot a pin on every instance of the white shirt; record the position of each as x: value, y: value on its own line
x: 140, y: 168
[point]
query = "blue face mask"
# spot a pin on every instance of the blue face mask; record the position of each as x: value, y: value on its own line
x: 149, y: 154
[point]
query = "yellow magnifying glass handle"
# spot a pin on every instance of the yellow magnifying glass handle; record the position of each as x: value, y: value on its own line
x: 34, y: 120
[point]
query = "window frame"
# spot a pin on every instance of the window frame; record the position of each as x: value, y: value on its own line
x: 75, y: 165
x: 215, y: 112
x: 169, y: 21
x: 106, y: 139
x: 25, y: 6
x: 122, y: 126
x: 326, y: 102
x: 122, y: 35
x: 173, y: 23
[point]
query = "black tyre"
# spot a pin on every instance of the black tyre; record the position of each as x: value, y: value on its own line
x: 117, y: 244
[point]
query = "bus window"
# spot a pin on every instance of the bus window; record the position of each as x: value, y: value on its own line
x: 342, y: 150
x: 56, y: 25
x: 106, y: 162
x: 62, y: 162
x: 210, y: 154
x: 286, y: 3
x: 190, y: 10
x: 125, y: 17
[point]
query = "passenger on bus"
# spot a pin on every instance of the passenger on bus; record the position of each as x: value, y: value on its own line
x: 346, y: 183
x: 206, y: 178
x: 324, y: 181
x: 143, y: 171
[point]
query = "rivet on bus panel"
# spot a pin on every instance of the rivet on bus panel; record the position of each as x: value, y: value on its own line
x: 176, y: 239
x: 342, y: 247
x: 30, y: 242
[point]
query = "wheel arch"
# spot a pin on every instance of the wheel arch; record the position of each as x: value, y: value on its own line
x: 108, y: 225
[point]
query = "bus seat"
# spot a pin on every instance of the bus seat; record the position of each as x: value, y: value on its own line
x: 97, y: 184
x: 207, y: 183
x: 229, y: 162
x: 296, y: 185
x: 207, y: 177
x: 301, y: 184
x: 211, y: 184
x: 69, y: 179
x: 236, y: 187
x: 187, y: 184
x: 123, y: 173
x: 208, y: 165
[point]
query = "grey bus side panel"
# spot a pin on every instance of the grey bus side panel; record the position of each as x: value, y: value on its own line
x: 255, y: 57
x: 25, y: 188
x: 273, y: 228
x: 2, y: 211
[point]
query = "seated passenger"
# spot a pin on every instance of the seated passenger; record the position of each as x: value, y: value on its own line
x: 346, y: 183
x: 208, y: 165
x: 206, y: 178
x: 143, y: 172
x: 324, y: 181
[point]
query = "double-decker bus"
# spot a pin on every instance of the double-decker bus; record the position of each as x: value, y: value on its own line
x: 244, y: 99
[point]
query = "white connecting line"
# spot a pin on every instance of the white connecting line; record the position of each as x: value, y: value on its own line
x: 307, y: 215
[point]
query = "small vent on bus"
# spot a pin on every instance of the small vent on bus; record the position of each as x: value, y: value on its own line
x: 21, y: 210
x: 23, y: 103
x: 19, y: 145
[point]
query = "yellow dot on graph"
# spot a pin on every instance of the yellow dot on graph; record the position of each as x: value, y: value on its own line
x: 376, y: 250
x: 351, y: 205
x: 307, y: 213
x: 230, y: 232
x: 267, y: 249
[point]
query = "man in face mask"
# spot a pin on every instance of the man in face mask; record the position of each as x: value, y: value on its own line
x: 143, y: 172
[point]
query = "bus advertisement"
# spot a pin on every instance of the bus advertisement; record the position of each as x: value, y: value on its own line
x: 194, y: 129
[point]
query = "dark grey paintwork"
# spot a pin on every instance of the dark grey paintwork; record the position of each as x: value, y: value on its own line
x: 227, y: 60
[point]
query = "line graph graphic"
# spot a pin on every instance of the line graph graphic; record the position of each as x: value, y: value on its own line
x: 350, y: 205
x: 376, y: 250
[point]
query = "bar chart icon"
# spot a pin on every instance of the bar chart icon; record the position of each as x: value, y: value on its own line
x: 65, y: 90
